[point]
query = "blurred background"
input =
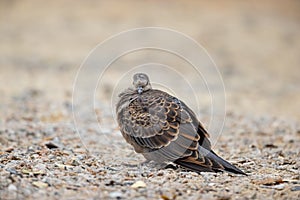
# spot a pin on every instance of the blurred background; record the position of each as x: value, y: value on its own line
x: 256, y: 46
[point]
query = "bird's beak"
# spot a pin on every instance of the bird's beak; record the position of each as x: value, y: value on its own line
x: 140, y: 89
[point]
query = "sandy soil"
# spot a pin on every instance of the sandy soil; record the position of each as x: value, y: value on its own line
x: 256, y: 47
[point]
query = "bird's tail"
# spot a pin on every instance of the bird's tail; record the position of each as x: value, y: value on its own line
x: 227, y: 166
x: 210, y: 162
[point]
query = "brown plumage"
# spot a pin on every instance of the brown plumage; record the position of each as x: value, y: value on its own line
x: 165, y: 129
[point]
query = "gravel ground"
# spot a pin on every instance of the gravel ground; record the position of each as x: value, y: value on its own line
x: 256, y: 47
x: 42, y: 159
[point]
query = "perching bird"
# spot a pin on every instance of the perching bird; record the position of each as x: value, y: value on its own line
x: 165, y: 129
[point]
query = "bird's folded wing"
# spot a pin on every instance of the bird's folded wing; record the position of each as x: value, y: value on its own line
x: 168, y: 127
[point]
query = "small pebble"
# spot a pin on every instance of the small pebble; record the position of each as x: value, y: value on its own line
x: 12, y: 187
x: 115, y: 195
x: 296, y: 188
x: 139, y: 184
x: 40, y: 184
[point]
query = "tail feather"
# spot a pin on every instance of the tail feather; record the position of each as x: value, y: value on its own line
x: 218, y: 164
x: 227, y: 166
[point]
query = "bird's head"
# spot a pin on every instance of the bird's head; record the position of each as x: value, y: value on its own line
x: 141, y: 82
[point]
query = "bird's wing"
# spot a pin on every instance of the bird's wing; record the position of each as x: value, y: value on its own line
x: 163, y: 126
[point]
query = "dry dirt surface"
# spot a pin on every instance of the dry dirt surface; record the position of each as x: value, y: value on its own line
x: 256, y: 47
